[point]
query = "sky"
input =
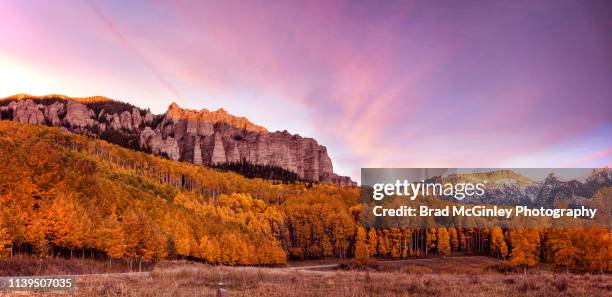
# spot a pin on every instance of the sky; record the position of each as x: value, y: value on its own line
x: 379, y: 83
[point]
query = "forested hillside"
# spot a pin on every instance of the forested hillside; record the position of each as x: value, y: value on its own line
x: 68, y: 195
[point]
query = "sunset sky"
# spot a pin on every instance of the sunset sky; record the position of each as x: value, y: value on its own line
x: 380, y: 83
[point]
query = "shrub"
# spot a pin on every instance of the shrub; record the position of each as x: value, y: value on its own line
x: 501, y: 268
x: 561, y: 284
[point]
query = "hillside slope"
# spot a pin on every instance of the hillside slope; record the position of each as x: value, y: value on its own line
x: 62, y: 193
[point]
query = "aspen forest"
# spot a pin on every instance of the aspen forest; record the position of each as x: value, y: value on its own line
x: 70, y: 196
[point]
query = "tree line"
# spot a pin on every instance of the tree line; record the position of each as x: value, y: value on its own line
x: 71, y: 196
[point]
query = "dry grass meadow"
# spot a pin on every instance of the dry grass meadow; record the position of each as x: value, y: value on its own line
x: 473, y: 276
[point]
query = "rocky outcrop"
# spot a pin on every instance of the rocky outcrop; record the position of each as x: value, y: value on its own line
x: 197, y: 151
x: 215, y: 137
x: 206, y: 119
x: 159, y: 145
x: 218, y: 151
x: 26, y: 112
x: 125, y: 120
x: 148, y: 119
x: 52, y: 113
x: 115, y: 122
x: 136, y: 118
x: 199, y: 137
x: 78, y: 116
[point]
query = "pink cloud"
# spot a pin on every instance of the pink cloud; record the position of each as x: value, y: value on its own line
x: 594, y: 156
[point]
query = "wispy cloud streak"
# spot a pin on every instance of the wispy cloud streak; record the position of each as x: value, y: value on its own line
x: 108, y: 23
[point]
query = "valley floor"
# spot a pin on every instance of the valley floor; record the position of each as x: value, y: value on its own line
x: 460, y: 276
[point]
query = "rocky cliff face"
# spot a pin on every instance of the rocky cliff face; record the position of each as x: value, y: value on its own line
x: 199, y: 137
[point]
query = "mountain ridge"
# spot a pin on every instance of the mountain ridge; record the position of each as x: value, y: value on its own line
x: 217, y: 116
x: 521, y: 190
x: 90, y: 99
x: 199, y: 137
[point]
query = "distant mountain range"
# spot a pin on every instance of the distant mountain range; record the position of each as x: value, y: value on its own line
x: 511, y: 188
x: 199, y: 137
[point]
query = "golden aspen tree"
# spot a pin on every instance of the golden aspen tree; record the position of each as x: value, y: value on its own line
x: 525, y: 247
x: 209, y: 250
x: 112, y: 238
x: 372, y: 241
x: 503, y: 252
x: 65, y: 223
x: 594, y: 252
x: 246, y: 255
x: 443, y: 245
x: 44, y: 162
x: 362, y: 252
x: 229, y: 249
x: 395, y: 240
x: 14, y: 222
x: 498, y: 244
x: 182, y: 237
x: 144, y: 240
x: 462, y: 239
x: 454, y: 238
x: 132, y: 226
x: 154, y: 248
x: 406, y: 238
x: 383, y: 247
x: 5, y: 242
x: 116, y: 246
x: 560, y: 241
x: 270, y: 253
x: 431, y: 238
x: 39, y: 241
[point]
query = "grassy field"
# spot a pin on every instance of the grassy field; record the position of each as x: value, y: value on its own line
x: 28, y: 265
x: 473, y: 276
